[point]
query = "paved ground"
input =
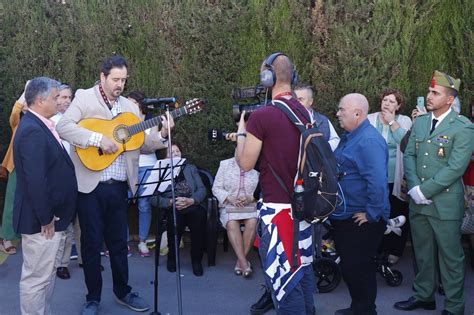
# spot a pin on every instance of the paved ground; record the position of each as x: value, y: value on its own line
x: 219, y: 291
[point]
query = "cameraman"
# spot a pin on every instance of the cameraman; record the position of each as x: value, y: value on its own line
x: 277, y: 151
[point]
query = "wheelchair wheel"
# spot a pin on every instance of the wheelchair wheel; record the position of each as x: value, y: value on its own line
x: 327, y: 273
x: 394, y: 278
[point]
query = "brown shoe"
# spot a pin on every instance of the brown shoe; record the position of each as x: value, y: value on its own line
x: 63, y: 273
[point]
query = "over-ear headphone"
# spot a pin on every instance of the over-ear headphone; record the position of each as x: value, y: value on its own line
x: 268, y: 77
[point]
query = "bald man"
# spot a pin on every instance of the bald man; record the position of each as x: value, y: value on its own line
x: 277, y: 149
x: 359, y: 225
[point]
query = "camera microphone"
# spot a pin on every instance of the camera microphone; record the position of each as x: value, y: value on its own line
x: 215, y: 134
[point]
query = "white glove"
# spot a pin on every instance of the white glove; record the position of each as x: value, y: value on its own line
x: 418, y: 197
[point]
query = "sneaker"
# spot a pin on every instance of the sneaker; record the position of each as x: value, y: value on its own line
x: 264, y: 304
x: 164, y: 251
x: 150, y: 243
x: 143, y: 250
x: 134, y: 302
x: 90, y: 308
x: 397, y: 221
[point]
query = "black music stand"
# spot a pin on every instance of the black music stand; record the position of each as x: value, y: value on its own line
x: 158, y: 179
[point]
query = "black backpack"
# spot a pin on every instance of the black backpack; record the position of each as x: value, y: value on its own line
x: 317, y: 167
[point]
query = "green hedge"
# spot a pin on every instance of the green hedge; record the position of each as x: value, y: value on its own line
x: 193, y: 48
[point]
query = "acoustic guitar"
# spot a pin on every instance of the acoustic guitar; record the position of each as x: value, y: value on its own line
x: 127, y: 131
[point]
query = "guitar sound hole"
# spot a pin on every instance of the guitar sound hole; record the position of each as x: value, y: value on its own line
x: 121, y: 134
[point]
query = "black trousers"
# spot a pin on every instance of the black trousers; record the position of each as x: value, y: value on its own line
x: 103, y: 217
x: 195, y: 218
x: 357, y: 247
x: 393, y: 244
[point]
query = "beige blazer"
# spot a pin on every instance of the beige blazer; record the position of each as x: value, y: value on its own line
x: 89, y: 104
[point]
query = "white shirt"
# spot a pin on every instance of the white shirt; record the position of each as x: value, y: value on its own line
x: 441, y: 117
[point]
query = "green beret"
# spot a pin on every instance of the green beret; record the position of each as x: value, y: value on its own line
x: 443, y: 79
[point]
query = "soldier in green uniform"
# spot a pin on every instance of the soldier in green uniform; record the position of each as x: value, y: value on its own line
x: 438, y: 152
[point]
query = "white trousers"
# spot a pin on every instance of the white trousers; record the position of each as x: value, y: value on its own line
x: 41, y: 257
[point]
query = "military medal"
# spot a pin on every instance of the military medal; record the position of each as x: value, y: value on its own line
x: 441, y: 152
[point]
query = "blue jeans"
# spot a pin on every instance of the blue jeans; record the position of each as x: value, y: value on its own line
x: 298, y: 301
x: 144, y: 210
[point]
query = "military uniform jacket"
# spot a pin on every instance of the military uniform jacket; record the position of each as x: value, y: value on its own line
x: 437, y: 162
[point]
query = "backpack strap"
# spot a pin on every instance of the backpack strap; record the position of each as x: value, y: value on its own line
x: 291, y: 115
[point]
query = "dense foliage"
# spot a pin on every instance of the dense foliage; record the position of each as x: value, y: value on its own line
x: 199, y: 48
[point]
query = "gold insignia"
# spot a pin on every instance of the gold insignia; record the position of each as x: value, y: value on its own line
x: 441, y: 152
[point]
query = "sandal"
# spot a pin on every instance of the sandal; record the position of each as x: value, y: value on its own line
x: 7, y: 247
x: 248, y: 271
x: 238, y: 270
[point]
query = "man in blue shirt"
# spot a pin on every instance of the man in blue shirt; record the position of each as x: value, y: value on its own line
x: 359, y: 224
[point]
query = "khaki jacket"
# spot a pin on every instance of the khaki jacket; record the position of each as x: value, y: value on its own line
x: 14, y: 121
x: 89, y: 104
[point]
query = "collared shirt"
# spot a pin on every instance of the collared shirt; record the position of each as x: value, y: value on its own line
x: 48, y: 123
x: 362, y: 157
x: 56, y: 118
x: 117, y: 170
x: 441, y: 117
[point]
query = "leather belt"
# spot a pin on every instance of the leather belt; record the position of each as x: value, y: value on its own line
x: 112, y: 181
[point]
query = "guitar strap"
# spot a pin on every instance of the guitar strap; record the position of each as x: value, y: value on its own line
x: 104, y: 97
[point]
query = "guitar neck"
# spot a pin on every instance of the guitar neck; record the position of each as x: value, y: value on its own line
x: 155, y: 121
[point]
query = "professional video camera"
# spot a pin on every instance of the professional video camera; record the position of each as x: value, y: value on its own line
x: 253, y: 98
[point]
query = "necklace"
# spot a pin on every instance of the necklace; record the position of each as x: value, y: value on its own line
x: 104, y: 97
x: 283, y: 94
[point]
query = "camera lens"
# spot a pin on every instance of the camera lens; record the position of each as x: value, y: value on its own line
x: 237, y: 109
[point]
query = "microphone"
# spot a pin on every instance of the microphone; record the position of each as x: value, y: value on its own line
x: 215, y: 134
x: 157, y: 101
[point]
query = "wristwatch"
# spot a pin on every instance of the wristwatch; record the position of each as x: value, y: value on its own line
x: 391, y: 123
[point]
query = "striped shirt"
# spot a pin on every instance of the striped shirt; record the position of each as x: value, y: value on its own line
x: 117, y: 170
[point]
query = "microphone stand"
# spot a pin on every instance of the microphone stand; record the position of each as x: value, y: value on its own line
x: 175, y: 229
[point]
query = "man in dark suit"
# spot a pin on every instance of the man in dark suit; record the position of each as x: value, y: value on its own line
x: 45, y: 199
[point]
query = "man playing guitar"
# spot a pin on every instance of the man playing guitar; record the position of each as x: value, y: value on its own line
x: 102, y: 199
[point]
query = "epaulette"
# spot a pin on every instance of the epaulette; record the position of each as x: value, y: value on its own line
x: 463, y: 119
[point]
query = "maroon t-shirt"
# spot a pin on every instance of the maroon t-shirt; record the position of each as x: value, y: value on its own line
x: 281, y: 142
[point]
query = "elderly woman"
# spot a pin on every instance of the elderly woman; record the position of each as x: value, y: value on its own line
x: 393, y: 126
x: 234, y: 189
x: 189, y: 193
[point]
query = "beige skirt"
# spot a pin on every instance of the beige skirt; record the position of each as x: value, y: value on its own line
x: 229, y: 213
